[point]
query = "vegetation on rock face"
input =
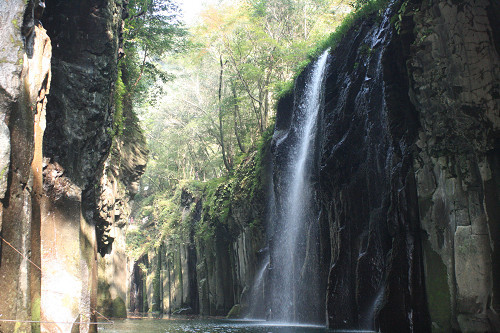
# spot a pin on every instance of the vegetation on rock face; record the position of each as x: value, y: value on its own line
x: 172, y: 215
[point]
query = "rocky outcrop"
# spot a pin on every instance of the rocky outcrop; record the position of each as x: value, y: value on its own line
x: 207, y: 263
x: 407, y: 170
x: 118, y: 185
x: 406, y: 186
x: 24, y: 84
x: 48, y: 205
x: 368, y: 243
x: 76, y: 143
x: 454, y: 68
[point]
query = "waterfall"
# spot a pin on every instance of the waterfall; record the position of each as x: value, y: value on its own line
x: 257, y: 296
x: 291, y: 256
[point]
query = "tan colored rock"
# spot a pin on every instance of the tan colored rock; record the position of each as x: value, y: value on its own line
x: 25, y: 110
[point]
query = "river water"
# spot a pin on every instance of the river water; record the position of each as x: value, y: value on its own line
x: 207, y: 326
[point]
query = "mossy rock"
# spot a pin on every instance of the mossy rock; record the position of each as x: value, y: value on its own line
x: 235, y: 312
x: 119, y: 308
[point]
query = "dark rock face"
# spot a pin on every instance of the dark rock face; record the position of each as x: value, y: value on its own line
x: 50, y: 219
x: 366, y: 190
x: 454, y: 68
x: 407, y: 180
x: 311, y: 255
x: 85, y: 35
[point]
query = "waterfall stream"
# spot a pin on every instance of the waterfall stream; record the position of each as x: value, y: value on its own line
x: 289, y: 252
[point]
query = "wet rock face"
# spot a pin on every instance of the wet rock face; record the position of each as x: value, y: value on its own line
x: 366, y: 188
x: 455, y: 72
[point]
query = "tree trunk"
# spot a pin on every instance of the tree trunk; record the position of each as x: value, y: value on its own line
x: 227, y: 161
x: 236, y: 116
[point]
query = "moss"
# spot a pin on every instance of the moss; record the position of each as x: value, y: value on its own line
x: 235, y: 312
x: 438, y: 293
x: 35, y: 314
x: 119, y: 94
x: 4, y: 170
x: 119, y: 308
x: 363, y: 8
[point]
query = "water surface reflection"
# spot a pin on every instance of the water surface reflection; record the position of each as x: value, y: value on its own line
x: 208, y: 326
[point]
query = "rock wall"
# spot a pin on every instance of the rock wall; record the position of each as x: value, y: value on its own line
x: 118, y: 185
x: 407, y: 169
x: 406, y: 180
x: 369, y: 239
x: 24, y: 84
x: 454, y: 68
x: 52, y: 152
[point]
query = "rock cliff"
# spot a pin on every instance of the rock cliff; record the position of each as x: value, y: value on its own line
x: 24, y: 85
x: 118, y: 185
x: 454, y: 75
x: 52, y: 153
x: 407, y: 169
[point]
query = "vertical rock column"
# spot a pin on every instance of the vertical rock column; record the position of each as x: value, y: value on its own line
x: 13, y: 269
x: 85, y: 36
x: 68, y: 255
x: 22, y: 105
x: 119, y: 183
x: 38, y: 74
x: 455, y: 73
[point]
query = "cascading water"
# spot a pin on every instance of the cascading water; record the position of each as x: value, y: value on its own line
x: 292, y: 257
x: 257, y: 292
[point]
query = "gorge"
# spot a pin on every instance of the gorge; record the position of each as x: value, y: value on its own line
x: 373, y: 203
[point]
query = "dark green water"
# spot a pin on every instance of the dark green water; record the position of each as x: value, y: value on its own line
x: 205, y: 326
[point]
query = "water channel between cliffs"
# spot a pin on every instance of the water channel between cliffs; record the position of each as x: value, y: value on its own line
x: 210, y: 326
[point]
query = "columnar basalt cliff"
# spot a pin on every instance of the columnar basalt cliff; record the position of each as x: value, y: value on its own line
x: 455, y: 75
x: 77, y: 140
x: 407, y: 169
x: 25, y: 82
x: 216, y: 239
x: 404, y: 227
x: 118, y: 185
x: 52, y: 153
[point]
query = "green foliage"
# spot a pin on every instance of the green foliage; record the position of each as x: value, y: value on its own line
x: 119, y: 94
x: 363, y: 8
x: 282, y: 89
x: 239, y: 61
x: 170, y: 217
x: 396, y: 19
x: 151, y: 30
